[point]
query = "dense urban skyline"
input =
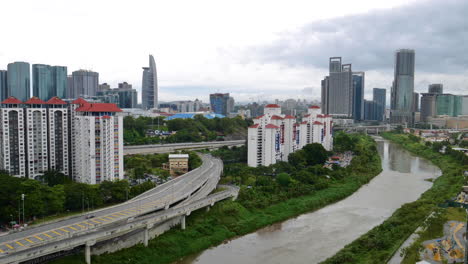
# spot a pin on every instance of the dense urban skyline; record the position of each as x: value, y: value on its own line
x: 249, y: 59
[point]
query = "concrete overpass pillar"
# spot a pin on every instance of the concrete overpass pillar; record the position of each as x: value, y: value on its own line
x: 146, y: 234
x: 182, y: 222
x: 88, y: 251
x: 208, y: 208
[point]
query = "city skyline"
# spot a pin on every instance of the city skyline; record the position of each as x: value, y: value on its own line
x: 230, y: 58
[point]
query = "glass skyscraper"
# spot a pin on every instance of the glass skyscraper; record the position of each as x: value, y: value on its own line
x: 379, y: 96
x: 358, y: 97
x: 3, y: 85
x: 219, y: 103
x: 19, y: 80
x: 403, y: 87
x: 49, y: 81
x: 149, y: 87
x: 85, y: 83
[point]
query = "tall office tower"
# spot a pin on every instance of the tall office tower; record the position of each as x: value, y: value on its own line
x: 358, y: 96
x: 85, y: 83
x: 449, y: 105
x: 104, y: 87
x: 403, y: 87
x: 43, y: 85
x: 98, y: 146
x: 340, y: 89
x: 59, y: 140
x: 69, y: 94
x: 219, y: 103
x: 370, y: 110
x: 59, y: 74
x: 3, y: 85
x: 436, y: 88
x: 415, y: 102
x: 19, y: 80
x: 149, y: 86
x: 379, y: 96
x: 324, y: 95
x: 428, y: 106
x: 230, y: 105
x: 12, y: 138
x: 36, y: 137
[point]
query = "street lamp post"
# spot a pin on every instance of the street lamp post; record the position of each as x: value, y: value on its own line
x: 22, y: 198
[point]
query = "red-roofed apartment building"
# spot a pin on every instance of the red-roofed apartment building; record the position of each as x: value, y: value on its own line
x: 81, y: 139
x: 274, y: 136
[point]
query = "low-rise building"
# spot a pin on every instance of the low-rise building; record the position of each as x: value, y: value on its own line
x: 178, y: 164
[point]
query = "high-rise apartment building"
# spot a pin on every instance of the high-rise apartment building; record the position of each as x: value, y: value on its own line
x: 220, y: 103
x: 85, y: 83
x: 403, y: 87
x: 19, y: 80
x: 98, y: 143
x: 83, y: 140
x: 274, y: 136
x: 3, y: 85
x: 149, y: 87
x: 358, y: 96
x: 436, y: 88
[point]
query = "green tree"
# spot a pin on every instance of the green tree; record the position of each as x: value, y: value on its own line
x: 54, y: 177
x: 315, y: 154
x: 283, y: 179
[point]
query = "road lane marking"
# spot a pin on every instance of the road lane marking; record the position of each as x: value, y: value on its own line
x: 55, y: 232
x: 29, y: 240
x: 95, y: 221
x: 8, y: 246
x: 38, y: 238
x: 82, y: 226
x: 115, y: 215
x: 19, y: 243
x: 87, y: 223
x: 45, y: 234
x: 64, y: 230
x: 71, y: 227
x: 1, y: 251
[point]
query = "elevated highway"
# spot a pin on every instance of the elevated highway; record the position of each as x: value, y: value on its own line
x: 174, y: 199
x: 166, y: 148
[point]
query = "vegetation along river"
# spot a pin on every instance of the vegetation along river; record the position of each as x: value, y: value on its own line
x: 313, y: 237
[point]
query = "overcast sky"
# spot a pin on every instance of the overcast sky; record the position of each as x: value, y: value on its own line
x: 253, y: 49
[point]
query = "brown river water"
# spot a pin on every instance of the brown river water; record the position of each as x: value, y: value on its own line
x: 315, y: 236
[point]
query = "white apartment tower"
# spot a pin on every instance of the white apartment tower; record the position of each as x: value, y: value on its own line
x: 274, y: 136
x: 12, y: 138
x: 59, y: 139
x: 98, y: 142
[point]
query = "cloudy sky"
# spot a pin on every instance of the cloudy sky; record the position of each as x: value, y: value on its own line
x: 253, y: 49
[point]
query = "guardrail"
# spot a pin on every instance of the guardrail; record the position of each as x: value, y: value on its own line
x: 108, y: 232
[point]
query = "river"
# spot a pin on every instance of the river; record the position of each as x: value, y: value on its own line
x: 313, y: 237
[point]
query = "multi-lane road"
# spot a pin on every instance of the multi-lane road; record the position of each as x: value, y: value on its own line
x: 183, y: 190
x: 165, y: 148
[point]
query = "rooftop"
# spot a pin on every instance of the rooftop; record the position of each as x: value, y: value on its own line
x: 178, y: 156
x: 11, y: 100
x: 272, y: 106
x: 271, y: 126
x: 35, y: 100
x: 99, y: 107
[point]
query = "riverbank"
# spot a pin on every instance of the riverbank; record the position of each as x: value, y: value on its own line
x: 229, y: 219
x: 379, y: 244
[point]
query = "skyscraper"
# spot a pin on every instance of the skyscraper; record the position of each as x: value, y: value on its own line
x: 403, y: 87
x: 436, y: 88
x: 338, y: 89
x: 3, y: 85
x: 59, y: 74
x: 358, y: 97
x: 85, y: 83
x: 219, y: 103
x: 149, y: 90
x: 19, y: 80
x: 380, y: 100
x: 415, y: 102
x: 43, y: 84
x: 428, y: 106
